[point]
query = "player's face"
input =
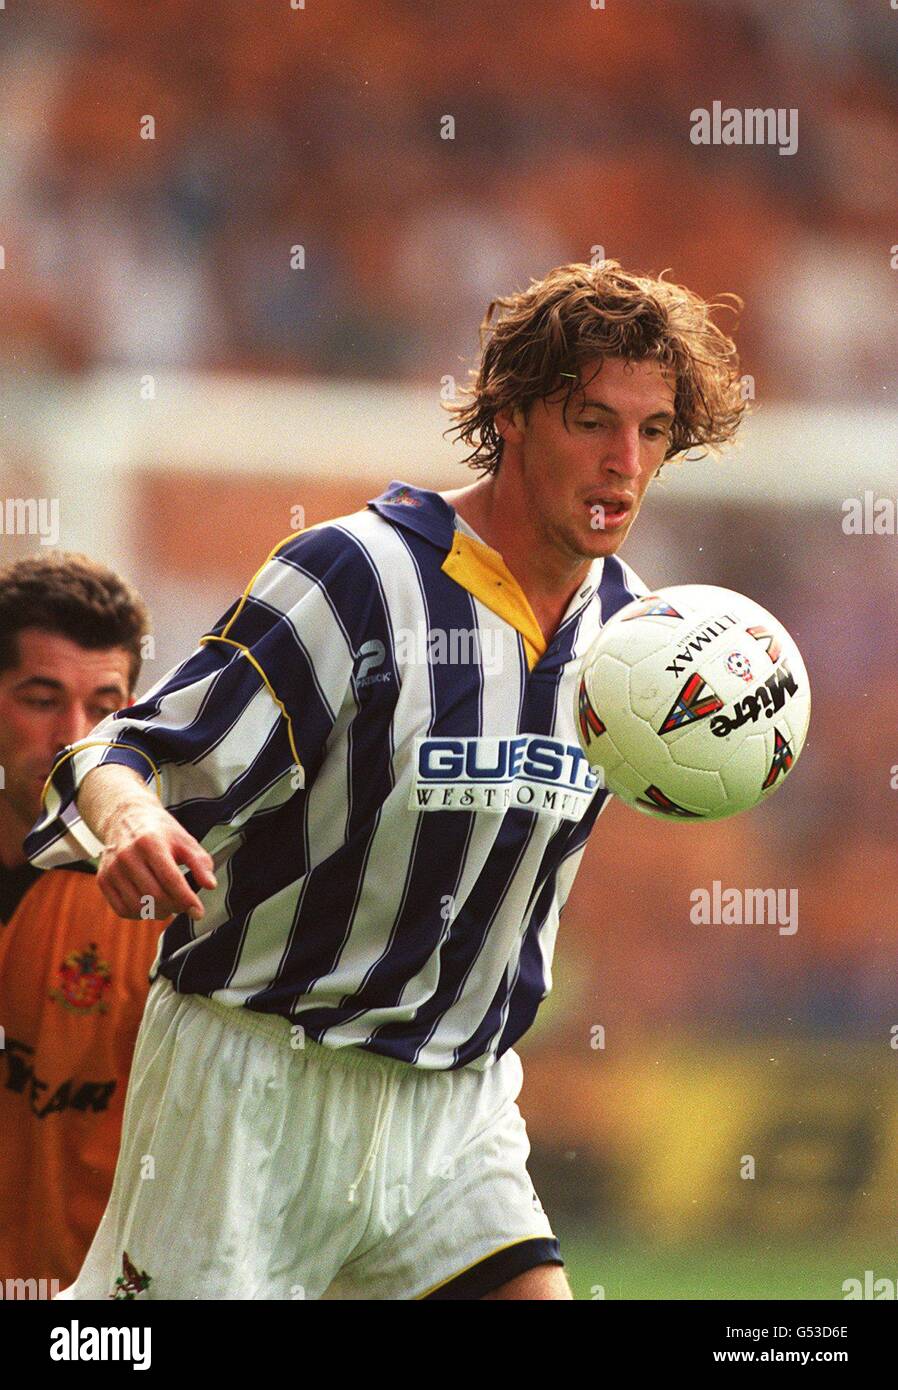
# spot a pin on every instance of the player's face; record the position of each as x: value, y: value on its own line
x: 586, y: 477
x: 55, y: 695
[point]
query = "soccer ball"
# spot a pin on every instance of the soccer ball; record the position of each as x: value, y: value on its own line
x: 694, y: 702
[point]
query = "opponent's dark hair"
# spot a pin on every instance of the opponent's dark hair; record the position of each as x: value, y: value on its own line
x: 73, y: 596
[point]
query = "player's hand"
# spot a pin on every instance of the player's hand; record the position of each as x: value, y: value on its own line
x: 144, y: 848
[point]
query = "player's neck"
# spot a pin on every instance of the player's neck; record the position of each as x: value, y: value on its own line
x: 548, y: 578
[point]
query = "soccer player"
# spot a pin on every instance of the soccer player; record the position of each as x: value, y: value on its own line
x: 370, y: 770
x: 73, y: 977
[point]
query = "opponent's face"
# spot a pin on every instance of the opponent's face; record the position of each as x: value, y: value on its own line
x: 54, y: 695
x: 585, y: 478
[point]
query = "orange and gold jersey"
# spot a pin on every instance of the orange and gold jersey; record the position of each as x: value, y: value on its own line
x: 73, y: 983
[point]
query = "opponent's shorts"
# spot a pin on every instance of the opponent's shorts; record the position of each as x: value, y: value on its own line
x: 258, y: 1164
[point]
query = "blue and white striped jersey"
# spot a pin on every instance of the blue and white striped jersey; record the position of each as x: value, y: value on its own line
x: 378, y: 749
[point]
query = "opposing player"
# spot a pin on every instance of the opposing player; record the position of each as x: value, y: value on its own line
x: 73, y: 977
x: 370, y: 769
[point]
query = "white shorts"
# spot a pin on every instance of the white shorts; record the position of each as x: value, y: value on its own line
x: 253, y: 1169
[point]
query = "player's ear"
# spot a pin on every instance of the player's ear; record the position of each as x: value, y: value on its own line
x: 510, y: 424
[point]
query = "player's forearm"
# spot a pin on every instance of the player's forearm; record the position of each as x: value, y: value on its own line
x: 108, y: 791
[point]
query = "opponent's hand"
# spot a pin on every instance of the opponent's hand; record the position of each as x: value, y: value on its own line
x: 143, y: 851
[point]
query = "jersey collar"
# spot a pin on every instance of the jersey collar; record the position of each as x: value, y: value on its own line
x: 417, y: 510
x: 475, y: 566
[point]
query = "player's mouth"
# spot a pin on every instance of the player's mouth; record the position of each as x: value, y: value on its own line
x: 609, y: 513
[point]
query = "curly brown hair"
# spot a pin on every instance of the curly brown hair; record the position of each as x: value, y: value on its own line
x: 74, y: 596
x: 580, y: 312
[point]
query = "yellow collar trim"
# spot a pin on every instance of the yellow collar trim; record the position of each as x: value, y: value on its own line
x: 482, y: 571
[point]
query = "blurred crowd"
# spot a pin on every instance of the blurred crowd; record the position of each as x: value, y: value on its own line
x: 330, y: 128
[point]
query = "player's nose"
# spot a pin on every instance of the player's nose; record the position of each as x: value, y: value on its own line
x: 622, y: 455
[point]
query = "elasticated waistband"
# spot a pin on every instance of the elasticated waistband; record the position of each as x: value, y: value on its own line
x: 277, y: 1030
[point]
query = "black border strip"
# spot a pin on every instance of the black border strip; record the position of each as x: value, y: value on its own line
x: 496, y: 1269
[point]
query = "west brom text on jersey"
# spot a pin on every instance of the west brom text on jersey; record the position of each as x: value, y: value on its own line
x: 529, y: 770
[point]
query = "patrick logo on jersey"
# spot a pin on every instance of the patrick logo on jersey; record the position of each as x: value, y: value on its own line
x: 526, y: 772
